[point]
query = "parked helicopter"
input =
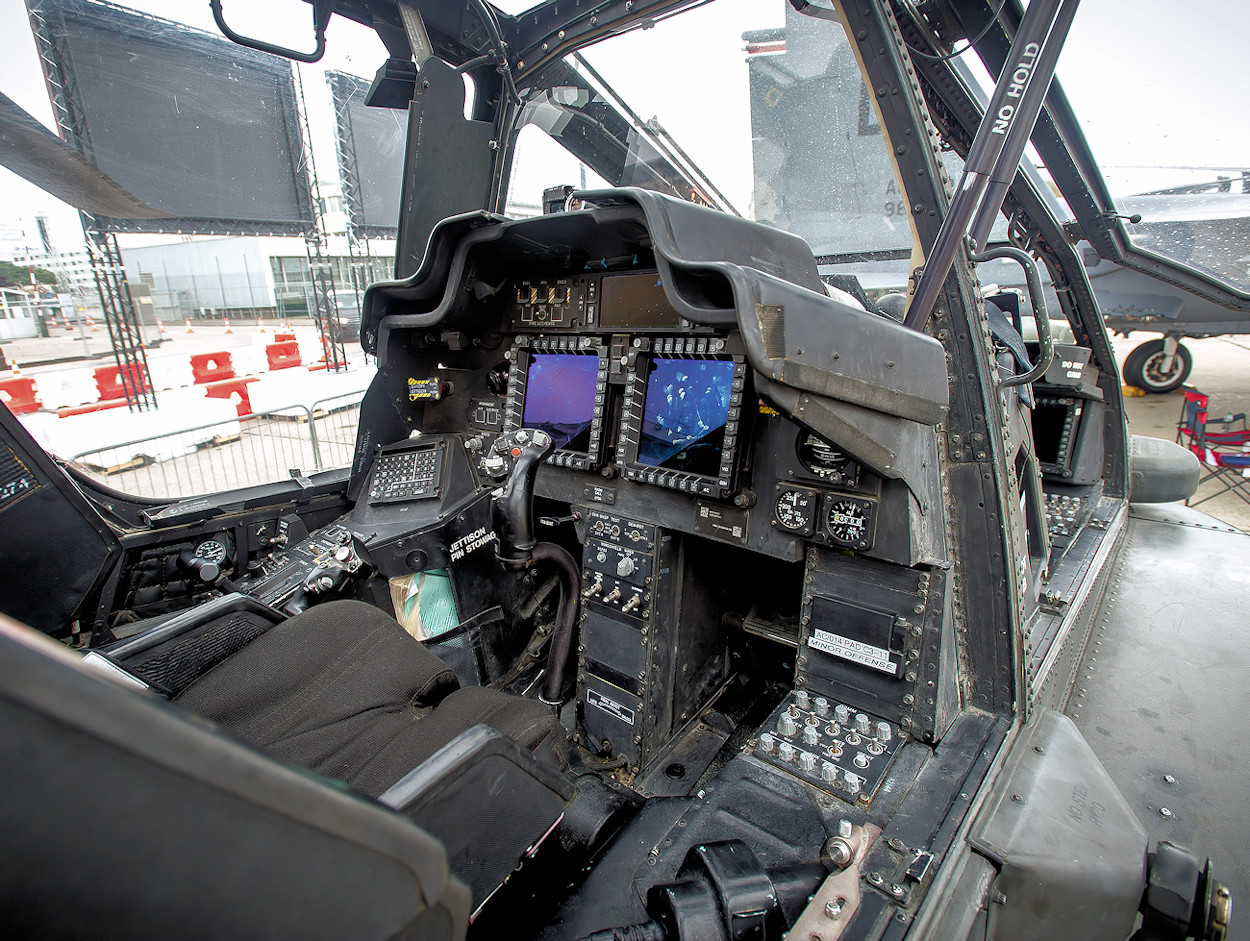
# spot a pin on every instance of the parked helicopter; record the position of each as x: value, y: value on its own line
x: 781, y: 609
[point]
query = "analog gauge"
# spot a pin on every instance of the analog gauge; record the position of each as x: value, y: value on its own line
x: 796, y: 510
x: 825, y: 461
x: 214, y: 550
x: 850, y: 522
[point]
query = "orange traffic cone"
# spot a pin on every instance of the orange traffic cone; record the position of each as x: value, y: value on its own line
x: 91, y: 324
x: 17, y: 371
x: 189, y: 330
x: 226, y: 321
x: 161, y: 324
x: 261, y: 324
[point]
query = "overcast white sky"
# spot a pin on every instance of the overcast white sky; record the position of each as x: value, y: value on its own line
x: 1155, y: 85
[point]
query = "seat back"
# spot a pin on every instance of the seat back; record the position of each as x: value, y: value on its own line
x: 1190, y: 426
x: 124, y: 816
x: 1206, y: 436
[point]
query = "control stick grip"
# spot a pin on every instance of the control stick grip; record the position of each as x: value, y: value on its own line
x: 512, y: 512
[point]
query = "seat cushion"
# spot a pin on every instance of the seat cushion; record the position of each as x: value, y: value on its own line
x: 343, y: 690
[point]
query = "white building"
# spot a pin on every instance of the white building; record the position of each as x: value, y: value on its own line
x: 246, y: 277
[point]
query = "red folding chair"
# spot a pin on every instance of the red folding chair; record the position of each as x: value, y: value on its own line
x: 1221, y: 446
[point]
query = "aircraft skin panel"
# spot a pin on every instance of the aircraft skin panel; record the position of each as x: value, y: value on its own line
x: 1161, y: 694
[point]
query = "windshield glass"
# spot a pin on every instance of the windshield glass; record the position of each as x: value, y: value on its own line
x: 274, y: 202
x: 769, y: 118
x: 1178, y: 158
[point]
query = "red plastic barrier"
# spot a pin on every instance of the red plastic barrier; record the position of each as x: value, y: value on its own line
x: 211, y: 367
x: 109, y: 381
x: 20, y: 395
x: 283, y: 337
x: 228, y: 389
x: 283, y: 355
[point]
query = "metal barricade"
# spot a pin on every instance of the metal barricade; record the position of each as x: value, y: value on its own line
x: 256, y: 449
x: 333, y: 429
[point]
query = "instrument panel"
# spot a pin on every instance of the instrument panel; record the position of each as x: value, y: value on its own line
x: 636, y: 396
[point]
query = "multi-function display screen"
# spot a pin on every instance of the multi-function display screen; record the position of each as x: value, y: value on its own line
x: 684, y: 413
x: 560, y: 397
x: 636, y: 301
x: 1054, y: 422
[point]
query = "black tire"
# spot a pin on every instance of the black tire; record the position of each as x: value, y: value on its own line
x: 1142, y: 368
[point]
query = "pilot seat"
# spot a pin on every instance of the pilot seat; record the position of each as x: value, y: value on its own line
x: 157, y: 804
x: 343, y: 690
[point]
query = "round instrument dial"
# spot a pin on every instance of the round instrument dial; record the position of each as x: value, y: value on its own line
x: 825, y: 461
x: 850, y: 522
x: 796, y: 510
x: 214, y: 550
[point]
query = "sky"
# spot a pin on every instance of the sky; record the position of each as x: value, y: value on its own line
x: 1152, y: 88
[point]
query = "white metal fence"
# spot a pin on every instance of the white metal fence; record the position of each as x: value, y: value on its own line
x: 259, y: 448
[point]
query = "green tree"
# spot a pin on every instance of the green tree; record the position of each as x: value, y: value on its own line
x: 13, y: 275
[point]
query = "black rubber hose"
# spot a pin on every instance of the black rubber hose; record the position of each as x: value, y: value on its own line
x: 566, y: 617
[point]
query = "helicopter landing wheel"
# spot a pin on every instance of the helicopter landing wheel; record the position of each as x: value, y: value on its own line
x: 1151, y: 369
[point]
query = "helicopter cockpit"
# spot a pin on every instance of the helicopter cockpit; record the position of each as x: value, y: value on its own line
x: 714, y: 589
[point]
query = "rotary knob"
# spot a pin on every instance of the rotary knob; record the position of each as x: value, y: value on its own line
x: 767, y: 743
x: 811, y: 736
x: 802, y: 699
x: 822, y: 706
x: 785, y: 751
x: 883, y: 732
x: 828, y: 771
x: 787, y: 725
x: 807, y: 761
x: 862, y: 725
x: 625, y: 567
x: 853, y: 782
x: 842, y: 713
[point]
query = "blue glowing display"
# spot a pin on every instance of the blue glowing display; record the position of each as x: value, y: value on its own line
x: 684, y: 415
x: 560, y: 397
